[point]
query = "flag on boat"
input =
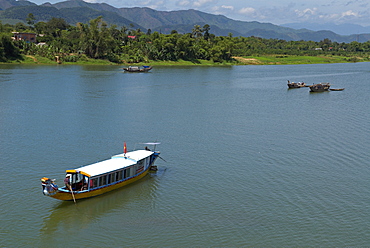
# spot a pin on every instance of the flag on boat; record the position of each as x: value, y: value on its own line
x: 124, y: 148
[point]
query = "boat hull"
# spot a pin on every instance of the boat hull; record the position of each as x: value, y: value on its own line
x: 295, y: 86
x: 137, y: 69
x: 65, y: 195
x: 320, y: 87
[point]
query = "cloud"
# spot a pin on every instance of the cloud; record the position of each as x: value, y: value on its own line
x: 247, y: 11
x: 183, y: 3
x: 306, y: 13
x: 342, y: 17
x: 200, y: 3
x: 151, y: 3
x: 227, y: 7
x: 195, y: 3
x: 350, y: 13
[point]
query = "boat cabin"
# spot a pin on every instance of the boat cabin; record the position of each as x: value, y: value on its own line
x: 115, y: 170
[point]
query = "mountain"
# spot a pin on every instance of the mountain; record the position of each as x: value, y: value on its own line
x: 71, y: 15
x: 342, y: 29
x: 183, y: 21
x: 85, y: 14
x: 80, y: 3
x: 5, y: 4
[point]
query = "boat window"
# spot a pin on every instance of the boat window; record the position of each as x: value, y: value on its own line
x: 127, y: 172
x: 113, y: 177
x: 77, y: 178
x: 108, y: 178
x: 94, y: 182
x: 103, y: 180
x: 119, y: 175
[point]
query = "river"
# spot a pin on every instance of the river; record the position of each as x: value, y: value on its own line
x: 246, y: 162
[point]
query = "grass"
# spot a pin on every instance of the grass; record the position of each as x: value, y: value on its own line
x: 183, y: 63
x: 291, y: 59
x: 247, y: 60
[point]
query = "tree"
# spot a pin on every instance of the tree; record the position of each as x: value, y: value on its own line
x: 7, y: 48
x: 56, y: 25
x: 30, y: 20
x: 96, y: 39
x: 20, y: 27
x: 197, y: 31
x: 206, y: 29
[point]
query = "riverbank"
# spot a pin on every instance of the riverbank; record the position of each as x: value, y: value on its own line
x: 247, y: 60
x: 292, y: 59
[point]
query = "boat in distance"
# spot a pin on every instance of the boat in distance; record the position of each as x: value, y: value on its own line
x: 144, y: 68
x: 292, y: 85
x: 319, y: 87
x: 104, y: 176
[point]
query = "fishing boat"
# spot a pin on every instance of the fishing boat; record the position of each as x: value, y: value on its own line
x: 292, y: 85
x: 337, y: 89
x: 319, y: 87
x: 104, y: 176
x: 144, y: 68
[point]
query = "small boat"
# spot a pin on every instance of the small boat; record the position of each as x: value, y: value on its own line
x: 319, y: 87
x: 144, y: 68
x: 292, y: 85
x: 104, y: 176
x: 337, y: 89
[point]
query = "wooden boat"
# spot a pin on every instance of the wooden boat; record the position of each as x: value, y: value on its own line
x: 337, y: 89
x: 144, y: 68
x: 104, y: 176
x: 292, y: 85
x: 319, y: 87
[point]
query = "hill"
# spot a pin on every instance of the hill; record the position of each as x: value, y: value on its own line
x: 5, y: 4
x: 183, y: 21
x: 70, y: 15
x: 342, y: 29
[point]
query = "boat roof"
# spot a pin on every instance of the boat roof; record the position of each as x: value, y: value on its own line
x: 116, y: 162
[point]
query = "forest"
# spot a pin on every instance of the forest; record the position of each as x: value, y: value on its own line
x: 98, y: 40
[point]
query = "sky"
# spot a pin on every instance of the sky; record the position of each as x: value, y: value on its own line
x: 271, y: 11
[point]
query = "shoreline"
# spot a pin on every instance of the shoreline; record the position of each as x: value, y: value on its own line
x: 244, y: 60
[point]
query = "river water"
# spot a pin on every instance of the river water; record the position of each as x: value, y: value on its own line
x: 247, y: 162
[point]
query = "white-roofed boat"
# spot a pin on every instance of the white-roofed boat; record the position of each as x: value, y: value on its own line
x: 104, y: 176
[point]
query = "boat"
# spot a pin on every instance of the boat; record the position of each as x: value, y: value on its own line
x: 104, y: 176
x: 319, y: 87
x: 292, y: 85
x: 144, y: 68
x: 337, y: 89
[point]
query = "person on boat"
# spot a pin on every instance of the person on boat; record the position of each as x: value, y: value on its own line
x: 66, y: 182
x: 146, y: 148
x: 85, y: 184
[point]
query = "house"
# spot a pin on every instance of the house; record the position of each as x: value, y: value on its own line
x: 28, y: 37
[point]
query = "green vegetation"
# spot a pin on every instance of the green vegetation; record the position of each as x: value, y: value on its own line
x: 96, y: 42
x: 296, y: 59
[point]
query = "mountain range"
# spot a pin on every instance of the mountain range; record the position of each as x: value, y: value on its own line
x: 183, y: 21
x: 342, y: 29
